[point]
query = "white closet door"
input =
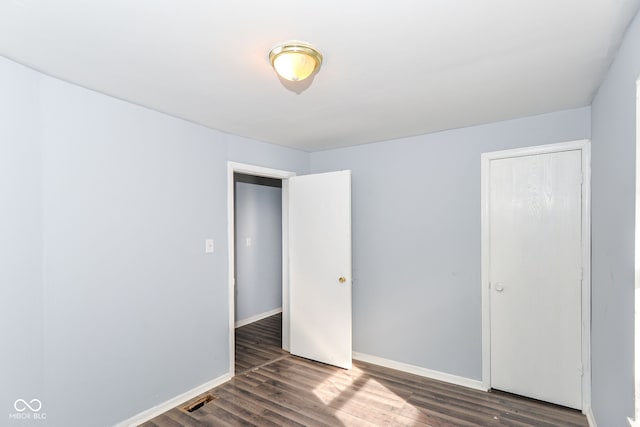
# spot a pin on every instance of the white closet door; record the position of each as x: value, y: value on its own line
x: 535, y: 276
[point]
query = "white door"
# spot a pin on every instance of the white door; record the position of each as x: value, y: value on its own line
x: 535, y: 276
x: 320, y: 267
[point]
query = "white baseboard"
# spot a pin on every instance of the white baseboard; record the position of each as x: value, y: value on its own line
x: 258, y: 317
x: 591, y: 419
x: 151, y: 413
x: 423, y: 372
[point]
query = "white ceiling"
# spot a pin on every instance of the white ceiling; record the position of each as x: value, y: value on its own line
x: 391, y: 68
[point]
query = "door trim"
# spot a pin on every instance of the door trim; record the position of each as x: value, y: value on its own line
x: 585, y: 147
x: 233, y: 167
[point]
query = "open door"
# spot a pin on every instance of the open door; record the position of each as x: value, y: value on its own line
x: 320, y: 267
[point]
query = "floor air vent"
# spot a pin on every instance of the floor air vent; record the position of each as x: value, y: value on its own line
x: 198, y: 403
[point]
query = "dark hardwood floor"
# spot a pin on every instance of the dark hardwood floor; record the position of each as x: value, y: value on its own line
x: 273, y: 388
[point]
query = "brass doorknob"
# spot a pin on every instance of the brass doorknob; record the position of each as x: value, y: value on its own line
x: 342, y: 279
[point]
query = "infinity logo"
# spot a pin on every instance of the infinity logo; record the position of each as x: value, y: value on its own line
x: 21, y: 405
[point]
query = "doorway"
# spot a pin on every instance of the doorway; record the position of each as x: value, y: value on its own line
x: 258, y: 245
x: 258, y: 271
x: 535, y: 272
x: 255, y: 173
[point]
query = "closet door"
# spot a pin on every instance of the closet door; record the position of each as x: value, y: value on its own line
x: 536, y: 276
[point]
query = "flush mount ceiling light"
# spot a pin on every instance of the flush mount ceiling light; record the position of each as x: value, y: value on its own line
x: 294, y: 60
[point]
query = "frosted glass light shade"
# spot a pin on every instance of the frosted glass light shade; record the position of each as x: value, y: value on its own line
x: 295, y: 61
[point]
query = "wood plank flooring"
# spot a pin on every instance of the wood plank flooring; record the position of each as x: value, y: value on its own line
x: 258, y: 343
x: 273, y: 388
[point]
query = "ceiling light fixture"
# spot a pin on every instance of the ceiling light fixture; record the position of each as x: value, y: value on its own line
x: 294, y: 60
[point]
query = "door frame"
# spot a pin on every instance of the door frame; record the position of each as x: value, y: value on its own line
x: 584, y: 146
x: 247, y: 169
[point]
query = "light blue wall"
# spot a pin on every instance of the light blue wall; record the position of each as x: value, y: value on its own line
x: 21, y: 289
x: 245, y: 150
x: 130, y: 196
x: 107, y: 209
x: 259, y: 263
x: 613, y: 178
x: 416, y: 237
